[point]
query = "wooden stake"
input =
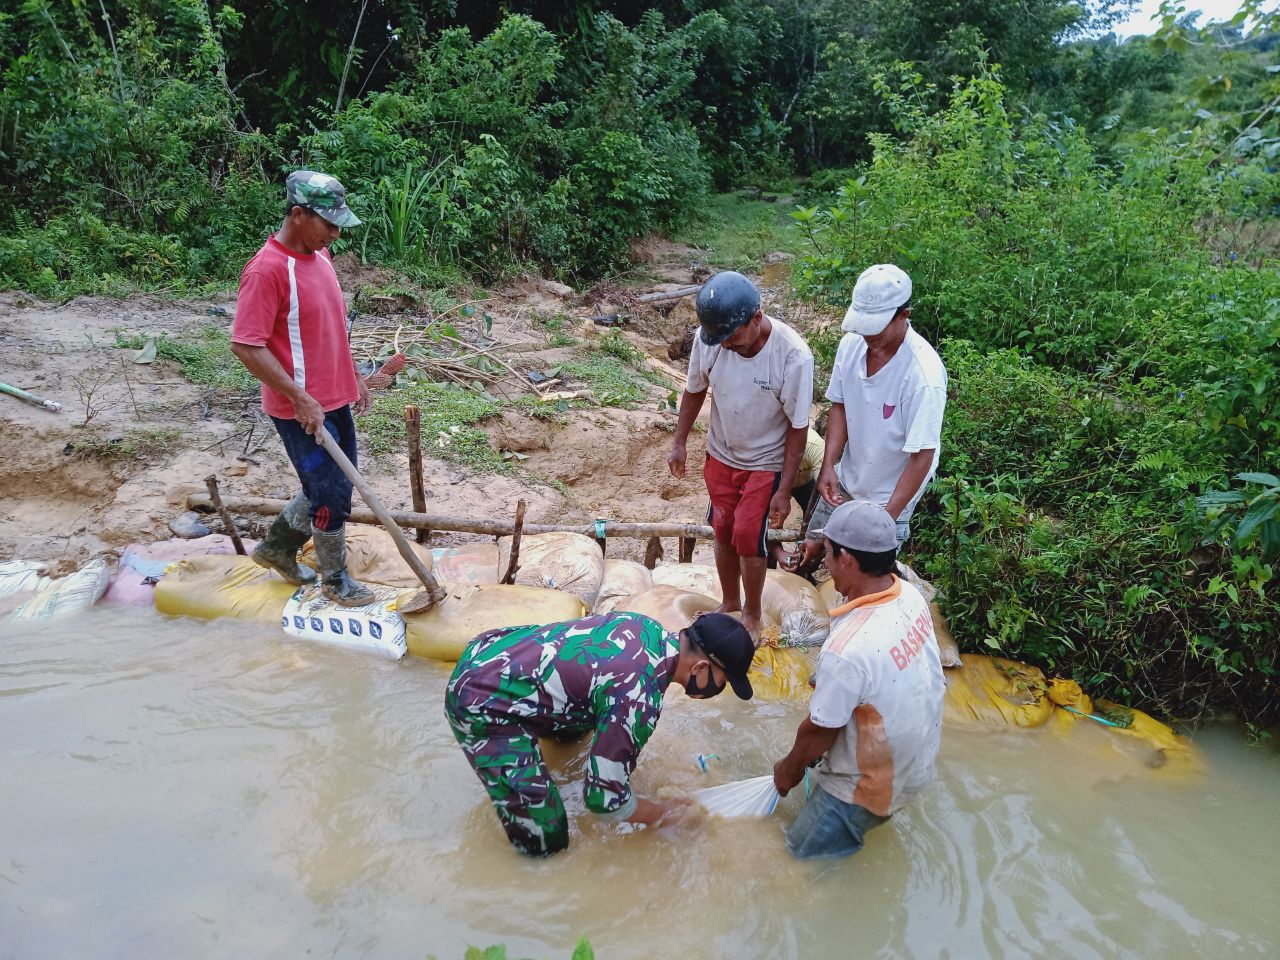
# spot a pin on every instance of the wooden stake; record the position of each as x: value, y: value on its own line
x: 211, y: 483
x: 413, y: 429
x: 513, y: 564
x: 686, y: 549
x: 652, y: 552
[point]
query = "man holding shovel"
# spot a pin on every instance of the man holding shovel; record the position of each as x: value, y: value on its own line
x: 290, y: 333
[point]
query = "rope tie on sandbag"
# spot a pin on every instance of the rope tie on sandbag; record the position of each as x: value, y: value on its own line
x: 1102, y: 720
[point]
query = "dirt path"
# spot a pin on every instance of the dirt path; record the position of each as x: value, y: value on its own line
x: 134, y: 440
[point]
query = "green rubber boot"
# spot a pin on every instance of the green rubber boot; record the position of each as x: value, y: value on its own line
x: 331, y: 557
x: 278, y: 550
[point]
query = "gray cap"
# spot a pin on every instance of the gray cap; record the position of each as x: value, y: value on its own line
x: 323, y: 195
x: 862, y: 525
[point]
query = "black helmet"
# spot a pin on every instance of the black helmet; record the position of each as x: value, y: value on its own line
x: 726, y: 302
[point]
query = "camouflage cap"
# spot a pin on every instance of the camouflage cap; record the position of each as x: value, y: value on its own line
x: 323, y: 195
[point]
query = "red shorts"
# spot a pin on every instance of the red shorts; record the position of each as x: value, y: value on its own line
x: 739, y: 511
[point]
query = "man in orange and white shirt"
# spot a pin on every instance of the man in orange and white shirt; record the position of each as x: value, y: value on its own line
x: 875, y: 718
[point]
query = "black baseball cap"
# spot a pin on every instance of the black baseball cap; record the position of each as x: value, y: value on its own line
x: 728, y: 645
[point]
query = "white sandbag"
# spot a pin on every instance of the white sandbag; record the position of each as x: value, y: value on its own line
x: 374, y: 626
x: 757, y: 797
x: 69, y: 594
x: 20, y: 576
x: 803, y: 628
x: 622, y: 578
x: 571, y: 562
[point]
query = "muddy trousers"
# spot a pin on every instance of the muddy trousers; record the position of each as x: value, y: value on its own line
x: 325, y: 485
x: 506, y: 758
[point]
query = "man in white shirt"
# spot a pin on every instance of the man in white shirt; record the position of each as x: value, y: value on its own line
x: 888, y: 392
x: 760, y: 374
x: 875, y: 718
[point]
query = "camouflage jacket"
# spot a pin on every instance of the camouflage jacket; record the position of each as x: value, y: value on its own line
x: 603, y: 673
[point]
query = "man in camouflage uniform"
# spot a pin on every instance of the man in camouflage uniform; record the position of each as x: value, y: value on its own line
x: 605, y: 674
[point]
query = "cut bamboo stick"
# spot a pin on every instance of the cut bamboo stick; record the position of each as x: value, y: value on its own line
x: 513, y: 564
x: 413, y: 429
x: 267, y: 507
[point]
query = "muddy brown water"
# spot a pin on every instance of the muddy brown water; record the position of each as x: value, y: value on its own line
x: 181, y: 788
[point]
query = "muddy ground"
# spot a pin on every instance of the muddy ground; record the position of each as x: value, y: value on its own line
x: 134, y: 440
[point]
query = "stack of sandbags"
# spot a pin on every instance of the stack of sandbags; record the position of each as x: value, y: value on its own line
x: 570, y: 562
x: 790, y: 606
x: 143, y: 564
x: 469, y: 563
x: 622, y: 578
x: 372, y: 557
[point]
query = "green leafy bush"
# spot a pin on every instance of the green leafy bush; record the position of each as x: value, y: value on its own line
x: 1105, y: 373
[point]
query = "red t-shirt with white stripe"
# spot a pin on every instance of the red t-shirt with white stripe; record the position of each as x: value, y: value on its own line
x: 291, y: 304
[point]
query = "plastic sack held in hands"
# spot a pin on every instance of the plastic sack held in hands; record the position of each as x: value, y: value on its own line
x: 756, y: 797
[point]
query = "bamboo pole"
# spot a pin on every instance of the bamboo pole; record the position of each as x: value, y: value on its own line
x: 265, y: 506
x: 669, y: 294
x: 413, y: 428
x: 211, y: 484
x: 686, y: 549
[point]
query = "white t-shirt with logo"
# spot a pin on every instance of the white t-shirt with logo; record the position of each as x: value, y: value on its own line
x: 890, y: 416
x: 754, y: 400
x: 879, y: 679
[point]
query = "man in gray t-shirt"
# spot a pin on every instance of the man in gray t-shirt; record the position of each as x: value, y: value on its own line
x: 760, y: 374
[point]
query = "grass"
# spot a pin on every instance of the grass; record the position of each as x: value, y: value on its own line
x: 614, y: 370
x: 739, y: 232
x: 553, y: 324
x: 203, y: 355
x: 132, y: 445
x: 449, y: 416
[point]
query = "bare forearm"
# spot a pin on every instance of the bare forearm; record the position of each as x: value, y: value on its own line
x: 797, y: 437
x: 690, y: 407
x: 812, y: 741
x: 263, y: 364
x: 909, y: 484
x: 837, y: 435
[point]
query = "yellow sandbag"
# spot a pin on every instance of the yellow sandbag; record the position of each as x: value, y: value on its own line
x: 1156, y: 745
x: 558, y: 561
x: 469, y: 563
x: 372, y: 557
x: 783, y: 592
x: 622, y: 578
x: 780, y: 673
x: 442, y: 631
x: 995, y: 691
x: 222, y: 586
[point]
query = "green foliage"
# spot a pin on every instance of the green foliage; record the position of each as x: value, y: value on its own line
x: 138, y: 444
x: 449, y: 417
x: 1105, y: 372
x: 203, y: 355
x: 614, y: 370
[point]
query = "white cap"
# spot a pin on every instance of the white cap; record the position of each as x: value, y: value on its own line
x: 877, y: 295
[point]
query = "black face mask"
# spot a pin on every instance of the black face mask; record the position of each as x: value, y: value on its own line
x: 705, y: 691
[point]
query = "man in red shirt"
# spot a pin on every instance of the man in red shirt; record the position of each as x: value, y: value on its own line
x: 290, y: 331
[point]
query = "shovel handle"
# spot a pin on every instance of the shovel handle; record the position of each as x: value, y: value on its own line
x: 326, y: 441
